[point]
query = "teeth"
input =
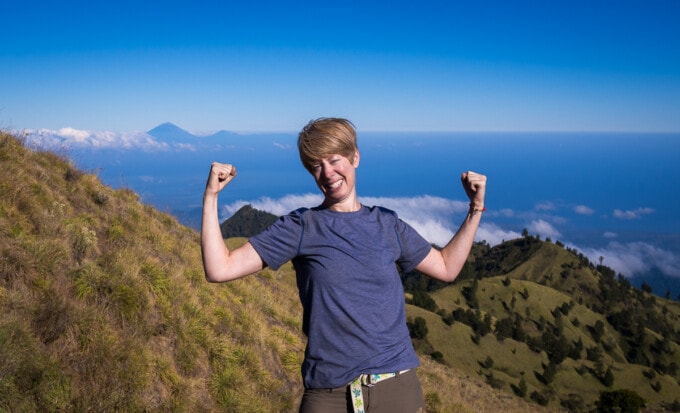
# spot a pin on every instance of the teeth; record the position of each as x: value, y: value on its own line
x: 335, y: 185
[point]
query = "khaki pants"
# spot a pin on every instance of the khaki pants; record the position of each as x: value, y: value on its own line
x: 400, y: 394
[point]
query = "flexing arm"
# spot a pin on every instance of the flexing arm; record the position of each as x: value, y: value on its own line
x: 446, y: 264
x: 219, y: 263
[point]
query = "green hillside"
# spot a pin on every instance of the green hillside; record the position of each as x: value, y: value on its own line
x: 535, y: 319
x: 105, y: 308
x: 246, y: 222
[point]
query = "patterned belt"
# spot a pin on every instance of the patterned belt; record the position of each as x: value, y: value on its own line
x: 366, y: 380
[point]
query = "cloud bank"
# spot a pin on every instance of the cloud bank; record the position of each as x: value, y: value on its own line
x: 436, y: 219
x: 84, y: 139
x: 634, y: 258
x: 632, y: 214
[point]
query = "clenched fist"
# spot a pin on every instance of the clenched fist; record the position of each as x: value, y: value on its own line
x: 475, y: 188
x: 220, y: 175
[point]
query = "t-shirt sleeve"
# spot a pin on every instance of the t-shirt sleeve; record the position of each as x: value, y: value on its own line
x: 279, y: 243
x: 414, y: 248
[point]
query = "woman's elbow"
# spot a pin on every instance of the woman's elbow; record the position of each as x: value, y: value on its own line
x: 210, y: 279
x: 213, y: 276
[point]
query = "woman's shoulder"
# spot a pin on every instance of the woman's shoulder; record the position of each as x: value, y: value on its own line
x: 381, y: 210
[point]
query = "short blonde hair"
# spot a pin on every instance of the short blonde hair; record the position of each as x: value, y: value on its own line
x: 323, y: 137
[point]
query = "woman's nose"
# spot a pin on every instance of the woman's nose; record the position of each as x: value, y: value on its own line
x: 327, y: 171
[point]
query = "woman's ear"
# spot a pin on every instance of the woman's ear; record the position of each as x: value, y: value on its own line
x: 355, y: 162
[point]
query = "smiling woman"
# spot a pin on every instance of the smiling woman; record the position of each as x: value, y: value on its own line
x: 346, y: 257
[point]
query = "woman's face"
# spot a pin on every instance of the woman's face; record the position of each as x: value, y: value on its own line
x: 335, y: 176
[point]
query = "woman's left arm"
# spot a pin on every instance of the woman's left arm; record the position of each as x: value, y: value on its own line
x: 446, y: 264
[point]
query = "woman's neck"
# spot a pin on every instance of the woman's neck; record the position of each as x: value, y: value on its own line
x: 347, y: 205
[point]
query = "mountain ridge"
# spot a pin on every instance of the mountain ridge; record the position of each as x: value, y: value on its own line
x: 170, y: 133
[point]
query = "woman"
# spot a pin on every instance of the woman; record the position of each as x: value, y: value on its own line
x: 359, y: 355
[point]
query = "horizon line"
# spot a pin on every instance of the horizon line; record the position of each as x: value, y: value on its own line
x: 201, y: 133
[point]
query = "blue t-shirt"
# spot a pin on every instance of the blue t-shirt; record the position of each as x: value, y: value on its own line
x: 353, y: 300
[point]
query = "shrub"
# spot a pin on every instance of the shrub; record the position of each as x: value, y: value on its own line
x: 623, y: 401
x: 521, y: 388
x: 438, y: 357
x: 417, y: 328
x: 423, y: 300
x: 573, y: 403
x: 608, y: 378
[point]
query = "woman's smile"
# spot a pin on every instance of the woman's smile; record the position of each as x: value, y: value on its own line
x: 335, y: 185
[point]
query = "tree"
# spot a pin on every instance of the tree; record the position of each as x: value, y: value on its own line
x: 608, y: 378
x: 438, y: 357
x: 504, y: 328
x: 521, y: 389
x: 576, y: 350
x: 423, y: 300
x: 470, y: 294
x: 623, y: 401
x: 488, y: 363
x: 549, y: 372
x: 417, y: 328
x: 597, y: 331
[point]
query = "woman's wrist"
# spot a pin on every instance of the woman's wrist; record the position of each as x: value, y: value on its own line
x: 209, y: 196
x: 476, y: 208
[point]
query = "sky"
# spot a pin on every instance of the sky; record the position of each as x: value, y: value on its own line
x: 262, y: 66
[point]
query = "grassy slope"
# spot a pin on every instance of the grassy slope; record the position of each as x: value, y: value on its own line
x: 105, y: 308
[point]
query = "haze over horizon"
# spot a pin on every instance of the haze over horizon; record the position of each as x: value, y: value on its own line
x: 388, y: 66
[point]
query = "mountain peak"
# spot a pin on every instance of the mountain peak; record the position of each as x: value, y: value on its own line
x: 170, y: 132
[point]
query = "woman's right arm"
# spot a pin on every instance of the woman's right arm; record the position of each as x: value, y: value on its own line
x: 219, y: 263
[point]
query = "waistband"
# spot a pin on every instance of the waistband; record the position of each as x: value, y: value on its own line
x: 367, y: 380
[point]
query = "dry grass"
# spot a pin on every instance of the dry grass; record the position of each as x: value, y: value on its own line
x: 105, y: 307
x: 448, y: 390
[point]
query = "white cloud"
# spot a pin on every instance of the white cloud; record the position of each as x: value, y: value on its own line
x: 543, y: 228
x: 279, y: 206
x: 506, y: 212
x: 610, y: 234
x: 545, y: 206
x: 185, y: 147
x: 283, y: 146
x: 74, y: 134
x: 634, y: 258
x: 632, y: 214
x: 75, y: 138
x: 583, y: 210
x: 150, y: 179
x: 494, y: 235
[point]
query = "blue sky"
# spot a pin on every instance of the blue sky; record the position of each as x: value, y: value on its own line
x: 391, y: 66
